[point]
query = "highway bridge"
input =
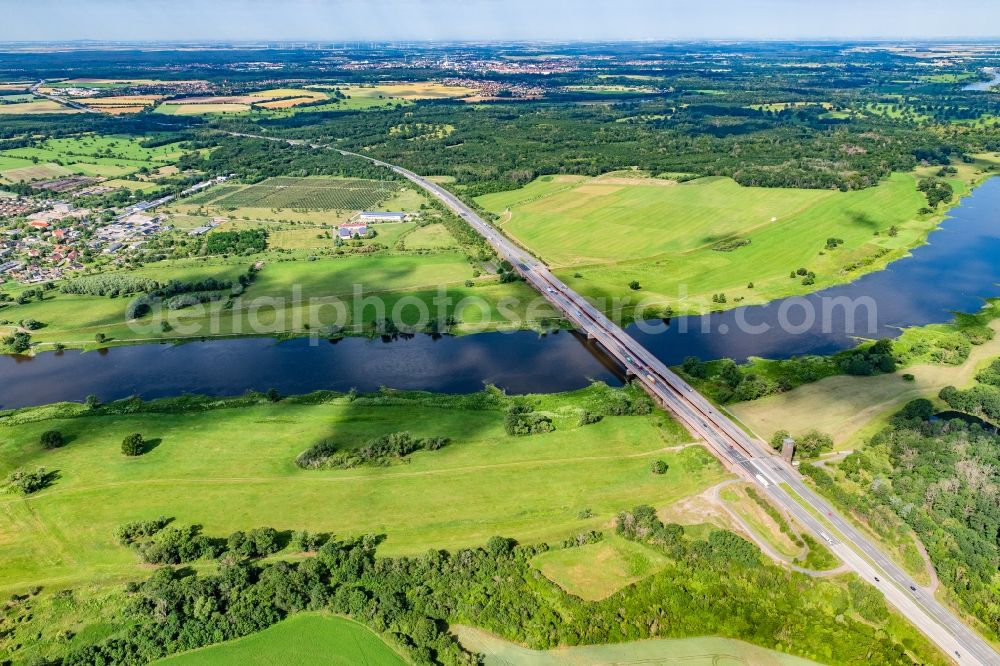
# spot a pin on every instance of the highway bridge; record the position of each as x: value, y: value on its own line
x: 737, y: 450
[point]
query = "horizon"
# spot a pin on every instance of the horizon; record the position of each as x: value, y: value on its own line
x: 383, y: 21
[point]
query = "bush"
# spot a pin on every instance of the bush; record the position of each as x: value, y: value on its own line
x: 522, y: 420
x: 658, y: 467
x: 27, y: 482
x: 134, y: 445
x: 380, y: 451
x: 51, y: 439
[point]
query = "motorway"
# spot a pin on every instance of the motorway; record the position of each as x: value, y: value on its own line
x: 69, y: 103
x: 737, y: 450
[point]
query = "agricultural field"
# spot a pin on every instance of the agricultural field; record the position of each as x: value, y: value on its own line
x: 378, y: 96
x: 304, y: 640
x: 408, y: 90
x: 104, y: 84
x: 612, y: 89
x: 121, y: 104
x: 37, y: 106
x: 316, y: 193
x: 202, y: 109
x: 14, y: 170
x: 704, y: 651
x: 232, y: 467
x: 275, y: 99
x: 712, y: 235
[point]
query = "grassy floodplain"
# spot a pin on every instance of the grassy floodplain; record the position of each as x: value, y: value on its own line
x: 682, y: 241
x: 74, y: 320
x: 231, y: 466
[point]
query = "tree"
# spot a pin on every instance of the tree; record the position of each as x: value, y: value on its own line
x: 634, y: 285
x: 272, y: 395
x: 92, y: 401
x: 658, y: 467
x: 52, y: 439
x: 778, y: 439
x: 99, y: 338
x: 134, y: 445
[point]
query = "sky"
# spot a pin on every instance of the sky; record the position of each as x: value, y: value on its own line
x: 589, y: 20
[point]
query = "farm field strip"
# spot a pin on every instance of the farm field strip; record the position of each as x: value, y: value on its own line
x: 317, y: 193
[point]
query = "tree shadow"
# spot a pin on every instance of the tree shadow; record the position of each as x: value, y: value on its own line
x: 862, y: 219
x: 150, y: 444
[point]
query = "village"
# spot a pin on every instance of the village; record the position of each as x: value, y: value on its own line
x: 43, y: 240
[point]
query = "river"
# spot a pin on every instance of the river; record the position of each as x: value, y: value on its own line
x: 986, y: 85
x: 954, y: 272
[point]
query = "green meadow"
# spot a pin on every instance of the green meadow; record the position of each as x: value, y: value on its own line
x: 685, y: 242
x: 110, y: 156
x: 598, y: 570
x: 231, y: 466
x: 303, y: 640
x: 293, y: 295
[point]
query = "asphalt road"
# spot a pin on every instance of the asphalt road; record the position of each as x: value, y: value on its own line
x: 734, y: 447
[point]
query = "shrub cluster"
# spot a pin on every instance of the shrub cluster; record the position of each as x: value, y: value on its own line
x: 522, y: 419
x: 381, y: 451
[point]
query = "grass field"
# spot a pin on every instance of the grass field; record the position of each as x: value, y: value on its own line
x: 596, y: 571
x: 233, y: 468
x: 704, y: 651
x: 87, y: 154
x: 74, y: 319
x: 763, y: 525
x: 303, y: 640
x: 429, y: 237
x: 601, y: 234
x: 852, y: 408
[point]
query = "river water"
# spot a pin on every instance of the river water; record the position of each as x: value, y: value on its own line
x: 985, y: 85
x: 954, y: 272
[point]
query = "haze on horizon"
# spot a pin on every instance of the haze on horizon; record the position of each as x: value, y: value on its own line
x: 589, y: 20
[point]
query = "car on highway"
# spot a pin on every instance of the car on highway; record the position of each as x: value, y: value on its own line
x: 877, y: 580
x: 913, y: 587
